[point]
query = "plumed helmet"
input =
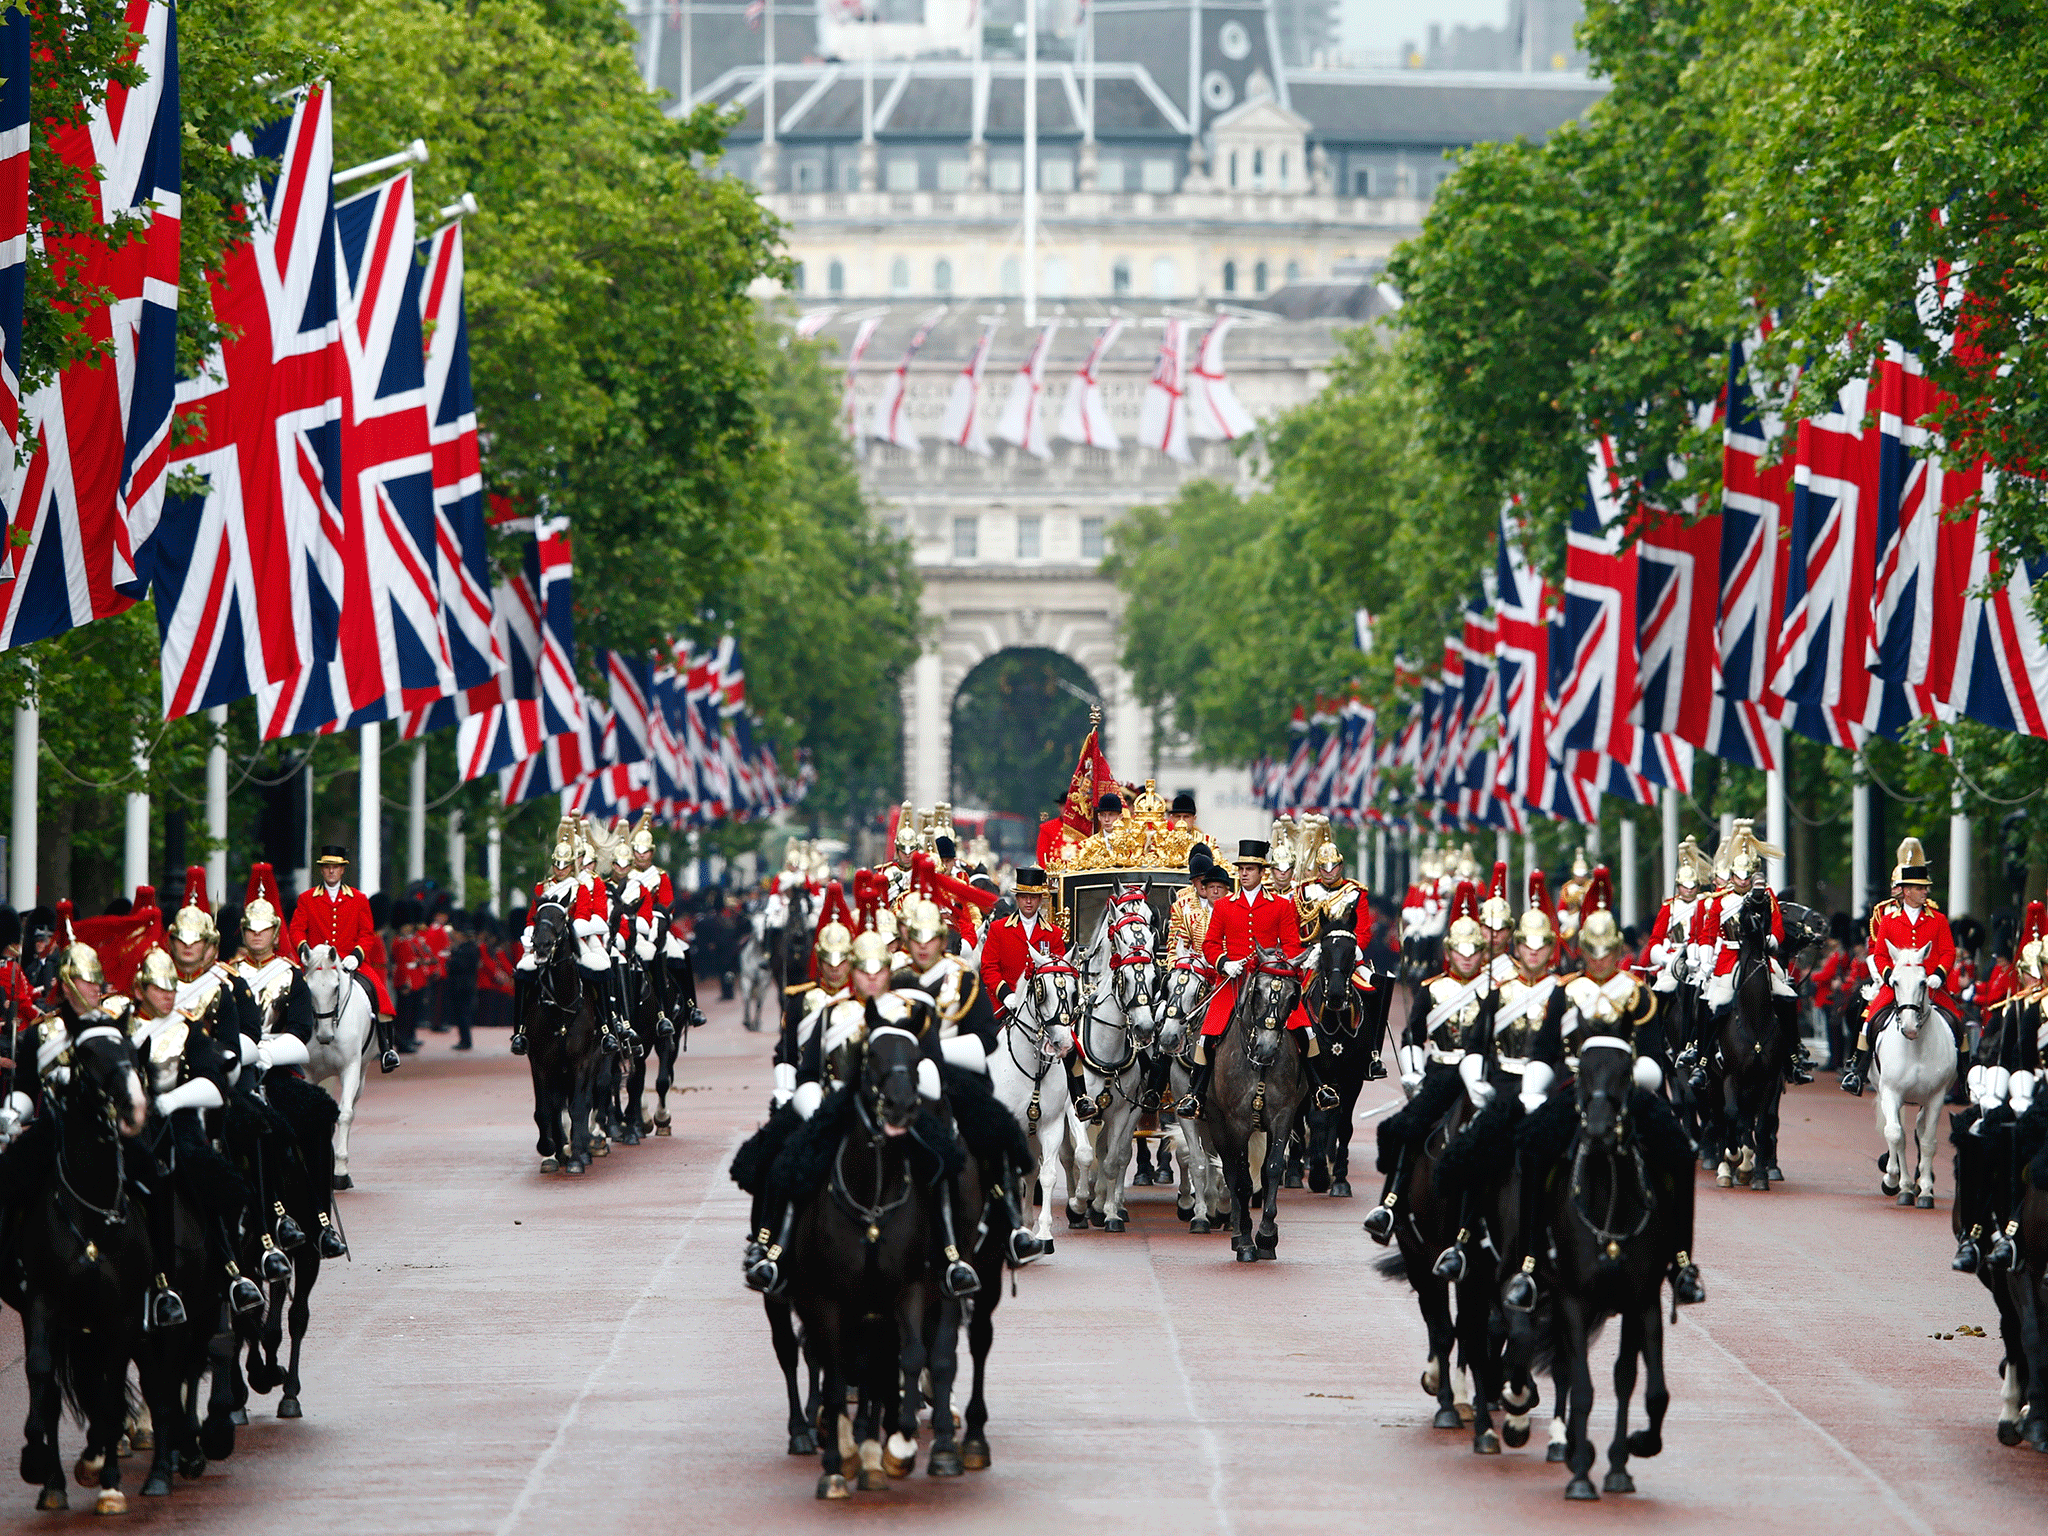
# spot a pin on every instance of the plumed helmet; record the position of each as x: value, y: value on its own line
x: 1580, y: 869
x: 834, y: 942
x: 1497, y: 912
x: 921, y: 917
x: 908, y: 839
x: 1745, y: 853
x: 81, y: 962
x: 1465, y: 935
x: 1430, y: 863
x: 194, y: 922
x: 564, y: 853
x: 1693, y: 868
x: 1467, y: 867
x: 1327, y: 854
x: 1912, y: 868
x: 1538, y: 894
x: 1599, y: 933
x: 1535, y: 929
x: 643, y: 832
x: 871, y: 951
x: 262, y: 906
x: 2035, y: 924
x: 157, y: 970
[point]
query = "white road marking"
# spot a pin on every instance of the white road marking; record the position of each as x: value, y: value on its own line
x: 1210, y: 1449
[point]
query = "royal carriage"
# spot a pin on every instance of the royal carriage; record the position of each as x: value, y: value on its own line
x: 1144, y: 847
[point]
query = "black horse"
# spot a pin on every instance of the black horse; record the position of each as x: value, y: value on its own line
x: 554, y: 1008
x: 1350, y: 1029
x: 1611, y: 1233
x: 1256, y: 1088
x: 861, y: 1262
x: 1752, y: 1040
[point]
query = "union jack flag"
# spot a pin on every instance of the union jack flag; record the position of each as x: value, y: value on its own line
x: 1325, y: 752
x: 1521, y: 651
x: 1756, y: 515
x: 81, y: 515
x: 14, y: 94
x: 2001, y: 665
x: 247, y: 576
x: 632, y: 688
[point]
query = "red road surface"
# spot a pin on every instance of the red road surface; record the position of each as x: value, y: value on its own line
x: 513, y: 1352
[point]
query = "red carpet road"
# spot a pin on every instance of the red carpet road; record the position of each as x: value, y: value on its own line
x: 513, y: 1352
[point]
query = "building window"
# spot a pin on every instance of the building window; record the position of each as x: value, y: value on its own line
x: 1230, y: 277
x: 1006, y: 175
x: 1233, y: 167
x: 1091, y: 538
x: 1120, y: 277
x: 1361, y: 182
x: 1027, y: 538
x: 1157, y: 176
x: 1259, y: 277
x: 1283, y: 170
x: 1056, y: 174
x: 966, y: 538
x: 1013, y: 276
x: 899, y: 275
x: 897, y: 525
x: 797, y: 280
x: 1109, y: 175
x: 1258, y: 167
x: 1293, y: 272
x: 810, y: 175
x: 1165, y: 281
x: 1056, y: 279
x: 903, y: 175
x: 953, y: 175
x: 835, y: 276
x: 849, y: 176
x: 942, y: 276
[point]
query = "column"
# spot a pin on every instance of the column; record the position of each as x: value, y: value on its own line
x: 135, y: 833
x: 1631, y: 907
x: 1776, y: 825
x: 369, y: 809
x: 416, y: 816
x: 1670, y: 849
x: 928, y: 766
x: 1529, y: 864
x: 1379, y: 861
x: 494, y: 869
x: 217, y: 805
x: 1960, y: 860
x: 21, y: 876
x: 1503, y: 851
x: 458, y: 858
x: 1859, y: 851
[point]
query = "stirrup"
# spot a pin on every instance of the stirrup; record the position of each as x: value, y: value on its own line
x: 961, y: 1280
x: 1520, y: 1292
x: 166, y: 1306
x: 1687, y: 1289
x: 388, y: 1061
x: 1450, y: 1264
x: 2001, y: 1253
x: 1379, y: 1224
x: 275, y: 1265
x: 1968, y: 1256
x: 1375, y: 1069
x: 1149, y: 1101
x: 1190, y: 1106
x: 332, y: 1245
x: 1024, y: 1248
x: 1084, y: 1109
x: 1687, y: 1059
x: 1852, y: 1082
x: 1326, y: 1098
x: 664, y: 1026
x: 518, y: 1042
x: 765, y: 1275
x: 243, y: 1293
x: 289, y: 1233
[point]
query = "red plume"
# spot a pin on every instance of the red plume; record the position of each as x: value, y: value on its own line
x: 145, y: 898
x: 65, y: 933
x: 1599, y: 895
x: 1465, y: 902
x: 263, y: 885
x: 1539, y: 896
x: 833, y: 910
x: 195, y: 888
x: 1499, y: 888
x: 2036, y: 925
x: 870, y: 892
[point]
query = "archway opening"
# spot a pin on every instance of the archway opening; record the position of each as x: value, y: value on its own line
x: 1019, y: 719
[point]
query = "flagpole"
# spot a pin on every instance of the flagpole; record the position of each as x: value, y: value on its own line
x: 1626, y: 858
x: 21, y: 876
x: 1774, y: 825
x: 217, y: 804
x: 1960, y: 862
x: 765, y: 173
x: 135, y: 832
x: 494, y: 867
x: 416, y: 816
x: 1031, y: 162
x: 369, y: 809
x: 1859, y: 849
x: 458, y: 859
x: 1670, y: 849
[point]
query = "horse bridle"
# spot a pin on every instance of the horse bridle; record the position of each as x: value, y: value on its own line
x: 108, y: 1115
x: 871, y: 1216
x: 1627, y: 1150
x: 545, y: 986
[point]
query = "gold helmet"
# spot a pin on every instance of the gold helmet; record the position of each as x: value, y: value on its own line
x: 157, y: 970
x: 1465, y: 935
x: 921, y: 917
x: 81, y: 962
x: 564, y: 855
x: 1497, y: 912
x: 871, y: 951
x: 643, y: 832
x: 194, y: 921
x: 835, y: 944
x: 261, y: 905
x: 1327, y: 854
x: 1744, y: 855
x: 1599, y: 933
x: 1467, y: 866
x: 1535, y: 929
x: 907, y: 839
x: 1692, y: 867
x: 1431, y: 863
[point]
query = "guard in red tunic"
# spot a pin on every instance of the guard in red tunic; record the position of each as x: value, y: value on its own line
x: 336, y: 914
x: 1240, y: 927
x: 1911, y: 933
x: 1007, y: 948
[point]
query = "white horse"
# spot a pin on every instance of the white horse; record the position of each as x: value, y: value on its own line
x: 757, y: 977
x: 344, y: 1023
x: 1026, y: 1075
x: 1120, y: 1023
x: 1203, y: 1199
x: 1916, y: 1064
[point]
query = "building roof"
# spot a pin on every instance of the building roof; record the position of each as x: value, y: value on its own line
x: 1437, y: 109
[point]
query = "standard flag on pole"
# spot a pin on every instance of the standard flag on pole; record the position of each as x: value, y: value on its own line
x: 892, y: 411
x: 1214, y: 411
x: 963, y: 411
x: 1084, y: 416
x: 1163, y: 417
x: 1023, y: 420
x: 14, y: 70
x: 849, y: 412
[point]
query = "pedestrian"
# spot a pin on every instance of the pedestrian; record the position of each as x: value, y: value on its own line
x: 412, y: 962
x: 459, y: 983
x: 438, y: 940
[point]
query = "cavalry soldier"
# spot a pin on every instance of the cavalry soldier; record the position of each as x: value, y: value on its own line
x: 1569, y: 895
x: 1912, y: 930
x: 208, y: 991
x: 1318, y: 899
x: 335, y: 914
x: 1006, y: 950
x: 909, y: 843
x: 2002, y: 1084
x: 1239, y: 927
x: 645, y: 897
x: 1740, y: 863
x: 19, y: 1083
x: 1432, y: 1046
x: 1497, y: 920
x: 1671, y: 929
x: 1187, y: 920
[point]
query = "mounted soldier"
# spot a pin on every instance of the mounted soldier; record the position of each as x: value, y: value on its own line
x: 1909, y: 932
x: 1005, y: 951
x: 1740, y: 866
x: 337, y: 915
x: 1497, y: 922
x: 1671, y: 929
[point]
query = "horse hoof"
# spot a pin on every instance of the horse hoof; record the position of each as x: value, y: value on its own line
x: 1097, y: 1219
x: 1486, y: 1443
x: 1184, y: 1212
x: 1142, y: 1176
x: 2008, y: 1432
x: 803, y: 1443
x: 1514, y: 1436
x: 343, y: 1181
x: 85, y: 1473
x: 602, y: 1149
x: 1886, y: 1189
x: 1925, y: 1203
x: 1777, y: 1174
x: 111, y: 1501
x: 1762, y: 1181
x: 974, y: 1454
x: 52, y: 1498
x: 1199, y: 1225
x: 1292, y: 1181
x: 1048, y: 1247
x: 1555, y: 1452
x: 191, y: 1465
x: 1114, y: 1224
x: 1447, y: 1418
x: 217, y: 1438
x: 1580, y: 1489
x: 873, y: 1480
x: 945, y: 1464
x: 239, y: 1417
x: 1077, y: 1223
x: 575, y: 1165
x: 661, y: 1128
x: 1246, y: 1256
x: 1724, y: 1181
x: 288, y: 1408
x: 833, y: 1486
x: 157, y: 1485
x: 1617, y: 1481
x: 1645, y: 1442
x: 1905, y: 1197
x: 1341, y: 1190
x: 549, y: 1165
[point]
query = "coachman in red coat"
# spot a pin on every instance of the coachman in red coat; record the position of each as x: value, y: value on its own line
x: 1908, y: 931
x: 1240, y: 927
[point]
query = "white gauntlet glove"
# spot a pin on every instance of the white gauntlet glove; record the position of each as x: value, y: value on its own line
x: 785, y: 1084
x: 928, y: 1079
x: 281, y: 1051
x: 1232, y: 969
x: 200, y: 1093
x: 350, y: 961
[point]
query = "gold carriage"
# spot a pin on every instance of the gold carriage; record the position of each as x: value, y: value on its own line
x: 1144, y: 846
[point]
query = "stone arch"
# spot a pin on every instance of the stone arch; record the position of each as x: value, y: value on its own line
x: 1026, y: 711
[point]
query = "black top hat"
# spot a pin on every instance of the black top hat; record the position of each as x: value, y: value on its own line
x: 332, y: 853
x: 1200, y: 857
x: 1030, y: 882
x: 1110, y: 801
x: 1184, y: 804
x: 945, y: 847
x: 1914, y: 874
x: 1212, y: 873
x: 1251, y: 851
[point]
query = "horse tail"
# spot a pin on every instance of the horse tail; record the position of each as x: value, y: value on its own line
x: 74, y: 1370
x: 1391, y: 1266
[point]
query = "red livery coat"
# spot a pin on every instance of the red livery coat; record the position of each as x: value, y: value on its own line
x: 342, y: 920
x: 1004, y: 954
x: 1236, y: 924
x: 1894, y: 929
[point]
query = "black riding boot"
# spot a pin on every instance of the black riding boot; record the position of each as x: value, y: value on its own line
x: 1077, y: 1089
x: 387, y: 1042
x: 1859, y: 1068
x: 1190, y: 1103
x: 1157, y: 1071
x: 1520, y: 1292
x: 1450, y: 1264
x: 764, y: 1271
x: 1321, y: 1095
x: 960, y: 1279
x: 1968, y: 1255
x: 2001, y: 1253
x: 1022, y: 1246
x: 1379, y: 1222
